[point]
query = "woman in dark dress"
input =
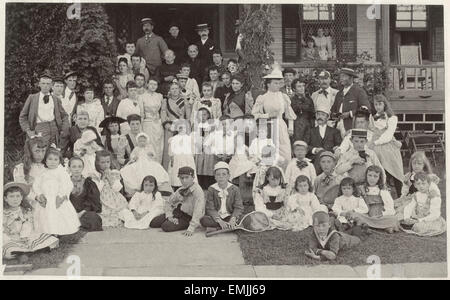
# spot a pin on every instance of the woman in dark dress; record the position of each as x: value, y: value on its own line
x: 177, y: 44
x: 85, y: 197
x: 303, y: 107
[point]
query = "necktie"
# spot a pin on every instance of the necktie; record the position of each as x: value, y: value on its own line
x: 108, y: 100
x: 71, y: 95
x: 302, y: 164
x: 326, y: 180
x: 207, y: 103
x: 46, y: 99
x: 323, y: 92
x: 363, y: 155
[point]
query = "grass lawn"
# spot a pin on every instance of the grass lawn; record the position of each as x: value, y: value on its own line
x: 51, y: 259
x: 278, y: 247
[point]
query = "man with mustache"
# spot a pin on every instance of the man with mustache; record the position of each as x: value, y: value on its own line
x: 206, y: 46
x: 326, y: 94
x: 151, y: 46
x: 322, y: 137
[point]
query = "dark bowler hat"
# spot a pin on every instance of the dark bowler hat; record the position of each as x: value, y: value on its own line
x: 107, y: 121
x: 201, y: 27
x: 185, y: 171
x: 349, y: 72
x: 289, y: 70
x: 70, y: 73
x: 147, y: 20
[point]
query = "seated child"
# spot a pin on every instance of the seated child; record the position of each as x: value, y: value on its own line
x: 271, y: 196
x: 326, y: 185
x: 346, y: 204
x: 144, y: 206
x: 224, y: 205
x: 112, y: 139
x: 301, y: 205
x: 300, y: 165
x: 184, y: 208
x: 424, y: 211
x: 85, y: 147
x: 55, y: 214
x: 141, y: 164
x: 417, y: 163
x: 108, y: 183
x: 354, y: 162
x: 181, y: 152
x: 381, y: 213
x: 85, y: 197
x: 213, y: 104
x: 324, y: 242
x: 19, y: 235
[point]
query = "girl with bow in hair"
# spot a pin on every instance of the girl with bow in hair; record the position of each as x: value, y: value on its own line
x: 213, y: 104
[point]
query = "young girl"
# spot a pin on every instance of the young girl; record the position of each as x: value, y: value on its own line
x: 208, y: 101
x: 300, y: 165
x: 108, y: 183
x: 150, y: 104
x: 424, y: 211
x: 348, y: 203
x: 142, y: 164
x: 381, y: 214
x: 189, y: 86
x: 383, y: 125
x: 32, y: 166
x: 94, y: 108
x: 417, y: 163
x: 204, y: 158
x: 85, y: 148
x: 19, y: 235
x: 55, y: 214
x: 112, y: 141
x: 181, y: 152
x: 271, y: 196
x: 85, y: 197
x: 144, y: 206
x: 301, y: 205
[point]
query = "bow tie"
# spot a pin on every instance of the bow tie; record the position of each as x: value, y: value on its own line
x: 184, y: 192
x: 46, y: 99
x: 326, y: 180
x: 302, y: 164
x: 324, y: 92
x: 363, y: 155
x: 377, y: 117
x: 207, y: 103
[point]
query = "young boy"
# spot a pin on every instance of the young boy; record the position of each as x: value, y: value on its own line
x: 326, y: 185
x: 129, y: 139
x: 213, y: 104
x: 300, y: 165
x: 354, y: 162
x: 222, y: 140
x: 109, y: 101
x: 324, y: 242
x: 184, y: 208
x: 58, y: 87
x: 223, y: 201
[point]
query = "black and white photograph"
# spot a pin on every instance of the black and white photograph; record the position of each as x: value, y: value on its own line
x: 221, y: 140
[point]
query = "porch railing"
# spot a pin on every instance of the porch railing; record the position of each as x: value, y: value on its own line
x: 416, y: 77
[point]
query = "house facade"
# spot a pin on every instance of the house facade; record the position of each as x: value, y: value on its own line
x: 407, y: 39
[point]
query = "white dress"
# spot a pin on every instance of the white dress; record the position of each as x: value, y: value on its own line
x: 125, y: 108
x: 299, y: 210
x: 52, y: 220
x: 353, y: 204
x: 143, y: 203
x: 36, y: 170
x: 134, y: 173
x: 323, y: 45
x: 181, y: 151
x: 95, y: 111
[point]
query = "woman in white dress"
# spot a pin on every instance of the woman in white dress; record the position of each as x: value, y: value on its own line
x: 273, y: 105
x: 151, y: 105
x: 323, y: 44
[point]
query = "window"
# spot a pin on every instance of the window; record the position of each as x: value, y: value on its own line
x: 318, y: 32
x: 411, y: 17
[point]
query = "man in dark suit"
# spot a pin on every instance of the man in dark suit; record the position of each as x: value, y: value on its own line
x: 348, y: 100
x: 322, y: 137
x: 289, y: 75
x: 109, y: 101
x: 44, y: 115
x: 206, y: 46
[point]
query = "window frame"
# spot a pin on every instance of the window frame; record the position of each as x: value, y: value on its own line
x: 411, y: 20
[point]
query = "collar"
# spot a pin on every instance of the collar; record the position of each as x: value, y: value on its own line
x: 322, y: 126
x: 217, y: 188
x: 347, y: 88
x: 324, y: 242
x: 41, y: 95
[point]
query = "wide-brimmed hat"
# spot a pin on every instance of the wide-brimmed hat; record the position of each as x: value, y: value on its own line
x: 24, y: 187
x: 70, y: 73
x: 275, y: 74
x: 147, y: 20
x: 199, y: 27
x: 105, y: 122
x: 349, y: 72
x: 87, y: 137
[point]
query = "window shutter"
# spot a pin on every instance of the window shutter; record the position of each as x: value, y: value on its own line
x: 290, y: 33
x: 437, y: 32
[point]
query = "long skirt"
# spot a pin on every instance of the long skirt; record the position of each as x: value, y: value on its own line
x: 32, y: 244
x: 390, y: 158
x: 165, y: 156
x: 154, y: 130
x: 282, y: 141
x: 428, y: 228
x: 382, y: 222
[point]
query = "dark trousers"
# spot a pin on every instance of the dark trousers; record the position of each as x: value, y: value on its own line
x: 167, y: 226
x: 208, y: 221
x: 397, y: 184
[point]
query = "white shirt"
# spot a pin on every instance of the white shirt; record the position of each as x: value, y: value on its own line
x: 320, y: 98
x: 45, y: 111
x: 68, y: 103
x: 322, y: 130
x: 344, y: 204
x: 108, y: 100
x: 293, y: 171
x: 223, y: 194
x: 126, y: 107
x: 204, y: 41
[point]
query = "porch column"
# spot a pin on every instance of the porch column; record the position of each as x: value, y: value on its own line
x: 222, y: 26
x: 385, y: 35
